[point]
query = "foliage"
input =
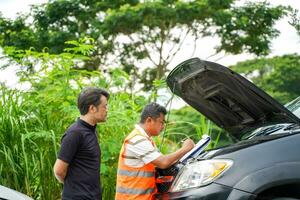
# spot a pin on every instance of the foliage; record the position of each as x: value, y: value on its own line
x: 296, y: 20
x: 189, y: 123
x: 132, y: 33
x: 278, y: 76
x: 28, y: 148
x: 248, y: 29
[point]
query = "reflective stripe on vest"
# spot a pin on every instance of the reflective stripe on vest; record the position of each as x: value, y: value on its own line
x: 134, y: 183
x: 134, y: 191
x: 123, y: 172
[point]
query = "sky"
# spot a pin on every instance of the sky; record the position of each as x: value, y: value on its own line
x: 288, y: 42
x: 10, y: 9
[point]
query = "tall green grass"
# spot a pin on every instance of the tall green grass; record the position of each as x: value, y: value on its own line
x: 34, y: 121
x: 30, y: 141
x: 27, y: 150
x: 30, y: 136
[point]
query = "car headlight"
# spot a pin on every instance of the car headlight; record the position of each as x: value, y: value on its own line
x: 200, y: 173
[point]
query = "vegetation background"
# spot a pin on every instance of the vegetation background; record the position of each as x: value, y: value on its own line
x: 126, y: 47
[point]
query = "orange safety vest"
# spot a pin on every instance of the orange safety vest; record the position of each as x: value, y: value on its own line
x: 135, y: 183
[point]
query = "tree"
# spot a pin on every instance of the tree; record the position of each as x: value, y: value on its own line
x: 134, y: 33
x: 278, y: 76
x: 296, y: 21
x: 50, y: 25
x: 156, y: 30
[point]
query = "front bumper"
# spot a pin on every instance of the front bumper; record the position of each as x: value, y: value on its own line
x: 213, y: 191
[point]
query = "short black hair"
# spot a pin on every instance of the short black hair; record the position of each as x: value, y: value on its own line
x: 90, y: 96
x: 152, y: 110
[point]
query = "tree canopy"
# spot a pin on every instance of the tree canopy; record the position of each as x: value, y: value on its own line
x: 279, y: 76
x: 295, y: 22
x: 133, y: 33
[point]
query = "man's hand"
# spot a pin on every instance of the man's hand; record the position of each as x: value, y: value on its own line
x: 188, y: 145
x: 165, y: 161
x: 60, y: 170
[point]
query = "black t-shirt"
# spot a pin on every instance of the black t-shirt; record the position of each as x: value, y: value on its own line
x: 80, y: 148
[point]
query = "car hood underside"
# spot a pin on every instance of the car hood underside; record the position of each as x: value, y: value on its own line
x: 225, y: 97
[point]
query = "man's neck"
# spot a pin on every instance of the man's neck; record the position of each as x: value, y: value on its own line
x: 144, y: 128
x: 88, y: 119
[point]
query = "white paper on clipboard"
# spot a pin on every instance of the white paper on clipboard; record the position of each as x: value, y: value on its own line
x: 198, y: 148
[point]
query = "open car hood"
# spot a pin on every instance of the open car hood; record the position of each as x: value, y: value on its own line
x: 226, y: 98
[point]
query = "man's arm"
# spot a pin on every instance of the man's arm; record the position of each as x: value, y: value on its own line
x: 60, y: 170
x: 165, y: 161
x: 69, y: 146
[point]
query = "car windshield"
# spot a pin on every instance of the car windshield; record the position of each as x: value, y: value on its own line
x: 293, y: 106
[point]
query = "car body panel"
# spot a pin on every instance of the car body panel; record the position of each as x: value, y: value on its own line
x: 276, y: 175
x: 9, y: 194
x: 213, y: 191
x: 255, y: 168
x: 229, y: 100
x: 248, y: 161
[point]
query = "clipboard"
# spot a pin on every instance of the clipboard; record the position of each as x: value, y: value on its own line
x: 199, y: 147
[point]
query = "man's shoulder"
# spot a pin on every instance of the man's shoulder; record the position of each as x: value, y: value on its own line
x: 74, y: 129
x: 79, y: 125
x: 139, y: 141
x: 139, y: 150
x: 135, y: 136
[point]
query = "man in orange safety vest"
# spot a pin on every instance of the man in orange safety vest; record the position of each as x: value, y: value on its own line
x: 139, y: 156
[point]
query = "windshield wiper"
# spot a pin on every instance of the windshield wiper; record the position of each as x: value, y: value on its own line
x: 265, y: 131
x: 292, y: 127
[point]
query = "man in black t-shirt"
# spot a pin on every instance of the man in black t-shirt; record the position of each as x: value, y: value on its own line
x: 78, y: 162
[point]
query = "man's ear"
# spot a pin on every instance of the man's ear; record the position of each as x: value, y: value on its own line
x: 92, y: 109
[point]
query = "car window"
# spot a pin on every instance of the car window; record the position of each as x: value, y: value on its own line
x: 297, y: 112
x: 294, y: 106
